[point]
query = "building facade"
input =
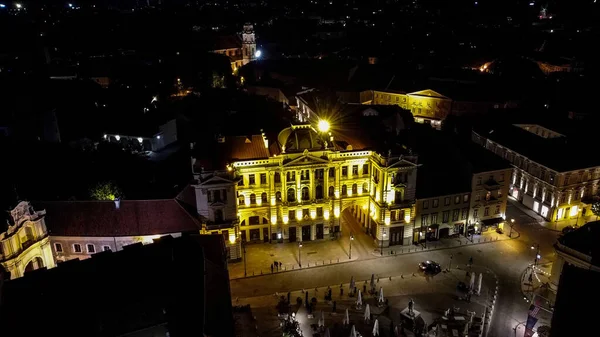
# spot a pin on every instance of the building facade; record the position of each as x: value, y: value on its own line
x: 554, y: 193
x: 63, y: 231
x: 297, y: 187
x: 464, y: 213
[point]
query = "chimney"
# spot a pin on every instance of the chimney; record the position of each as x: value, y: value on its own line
x: 117, y: 203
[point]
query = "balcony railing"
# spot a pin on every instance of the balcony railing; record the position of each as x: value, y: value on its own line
x: 491, y: 185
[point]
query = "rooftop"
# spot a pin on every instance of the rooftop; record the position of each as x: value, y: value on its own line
x: 103, y: 218
x: 542, y: 150
x: 126, y: 292
x: 585, y: 240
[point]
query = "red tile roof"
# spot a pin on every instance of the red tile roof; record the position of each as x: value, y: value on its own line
x: 102, y: 218
x: 246, y: 148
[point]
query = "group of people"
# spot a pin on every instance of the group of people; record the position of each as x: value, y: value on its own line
x: 276, y: 266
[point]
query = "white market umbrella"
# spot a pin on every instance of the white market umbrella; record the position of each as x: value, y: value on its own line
x: 353, y: 332
x: 376, y: 328
x: 479, y: 280
x: 472, y: 282
x: 367, y: 313
x: 321, y: 319
x: 327, y: 334
x: 381, y: 299
x: 359, y: 299
x: 346, y: 318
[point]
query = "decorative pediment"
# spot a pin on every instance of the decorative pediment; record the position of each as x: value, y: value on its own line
x: 306, y: 159
x: 428, y: 93
x: 402, y: 163
x: 215, y: 180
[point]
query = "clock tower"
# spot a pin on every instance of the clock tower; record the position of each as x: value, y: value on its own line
x: 248, y: 44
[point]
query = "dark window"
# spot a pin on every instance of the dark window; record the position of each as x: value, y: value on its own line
x: 277, y: 177
x: 365, y: 168
x: 218, y: 216
x: 291, y: 195
x: 455, y: 215
x: 445, y: 216
x: 252, y: 179
x: 254, y: 220
x: 77, y: 248
x: 263, y: 198
x: 106, y: 248
x: 305, y: 194
x: 319, y: 192
x: 332, y: 172
x: 58, y: 247
x: 253, y: 199
x: 305, y: 213
x: 263, y: 178
x: 354, y: 189
x: 344, y: 190
x: 344, y: 171
x: 278, y: 196
x: 91, y: 248
x: 292, y: 215
x: 319, y: 211
x: 435, y: 203
x: 354, y: 170
x: 331, y: 191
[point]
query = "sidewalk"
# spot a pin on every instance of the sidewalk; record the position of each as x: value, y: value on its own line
x: 486, y: 237
x: 557, y: 226
x: 259, y: 257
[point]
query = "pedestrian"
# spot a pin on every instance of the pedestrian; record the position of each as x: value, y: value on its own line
x: 276, y: 266
x: 364, y: 288
x: 279, y: 265
x: 271, y: 268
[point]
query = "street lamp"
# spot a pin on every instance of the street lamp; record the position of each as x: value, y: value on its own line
x: 383, y: 235
x: 299, y: 254
x: 512, y: 223
x: 537, y: 253
x: 350, y: 251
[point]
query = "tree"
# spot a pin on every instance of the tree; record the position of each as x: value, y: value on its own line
x: 596, y: 209
x: 106, y: 190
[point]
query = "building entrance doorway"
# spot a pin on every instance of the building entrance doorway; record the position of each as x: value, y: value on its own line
x: 319, y: 231
x: 292, y: 234
x: 396, y: 236
x: 305, y: 233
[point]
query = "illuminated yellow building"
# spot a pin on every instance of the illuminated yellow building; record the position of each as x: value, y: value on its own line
x: 556, y: 188
x: 427, y: 106
x: 296, y: 187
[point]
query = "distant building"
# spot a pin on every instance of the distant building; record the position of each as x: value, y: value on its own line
x: 240, y: 49
x: 575, y: 278
x: 295, y: 185
x: 173, y: 287
x: 62, y: 231
x: 556, y: 187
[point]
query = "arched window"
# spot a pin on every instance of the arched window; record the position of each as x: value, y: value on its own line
x: 331, y: 192
x: 344, y: 190
x: 278, y: 196
x: 252, y: 199
x: 291, y: 195
x: 365, y: 188
x: 218, y: 216
x: 263, y: 198
x: 305, y: 194
x: 319, y: 192
x: 241, y: 200
x: 354, y: 189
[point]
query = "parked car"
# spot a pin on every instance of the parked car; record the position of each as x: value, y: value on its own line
x: 430, y: 267
x: 569, y: 229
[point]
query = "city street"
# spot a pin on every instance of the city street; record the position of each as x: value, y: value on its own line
x: 508, y: 259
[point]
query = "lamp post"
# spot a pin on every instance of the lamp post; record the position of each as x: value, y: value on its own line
x: 537, y: 253
x: 299, y: 254
x: 512, y: 223
x: 383, y: 235
x: 350, y: 250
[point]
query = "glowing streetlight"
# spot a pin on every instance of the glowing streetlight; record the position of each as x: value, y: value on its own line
x: 257, y: 54
x: 350, y: 250
x: 18, y: 5
x: 299, y: 254
x: 323, y: 125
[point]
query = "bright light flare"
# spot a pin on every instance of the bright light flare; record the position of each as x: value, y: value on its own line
x: 257, y: 54
x: 323, y: 126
